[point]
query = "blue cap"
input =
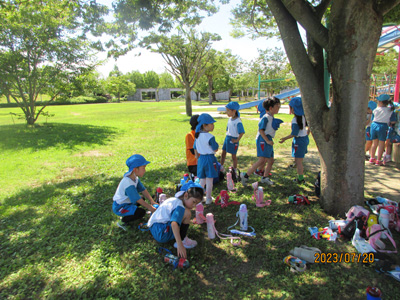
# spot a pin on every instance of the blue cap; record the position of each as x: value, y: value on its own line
x: 186, y: 186
x: 297, y: 106
x: 276, y: 123
x: 233, y: 106
x: 135, y: 161
x: 204, y: 119
x: 372, y: 105
x: 383, y: 97
x: 261, y: 109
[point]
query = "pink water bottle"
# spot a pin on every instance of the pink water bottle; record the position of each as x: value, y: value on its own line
x: 229, y: 182
x: 200, y: 213
x: 210, y: 226
x: 243, y: 217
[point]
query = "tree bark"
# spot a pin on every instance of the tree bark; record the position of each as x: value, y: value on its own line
x: 338, y: 130
x: 210, y: 89
x: 188, y: 101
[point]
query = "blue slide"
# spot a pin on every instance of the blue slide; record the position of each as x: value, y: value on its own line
x: 284, y: 95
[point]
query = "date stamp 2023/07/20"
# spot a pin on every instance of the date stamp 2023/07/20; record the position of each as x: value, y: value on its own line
x: 343, y: 257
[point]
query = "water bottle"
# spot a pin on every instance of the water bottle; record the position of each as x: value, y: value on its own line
x: 199, y: 213
x: 260, y: 195
x: 243, y: 217
x: 162, y: 198
x: 181, y: 263
x: 186, y: 177
x: 384, y: 220
x: 229, y: 182
x: 197, y: 180
x: 373, y: 293
x: 210, y: 226
x: 158, y: 193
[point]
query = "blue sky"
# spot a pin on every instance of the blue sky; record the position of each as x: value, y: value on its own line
x: 218, y: 23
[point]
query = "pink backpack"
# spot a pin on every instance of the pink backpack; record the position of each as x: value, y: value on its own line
x: 374, y: 235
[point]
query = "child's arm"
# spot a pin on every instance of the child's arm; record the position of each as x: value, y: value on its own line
x: 145, y: 204
x: 238, y: 139
x: 264, y: 136
x: 147, y: 195
x: 181, y: 250
x: 196, y: 154
x: 285, y: 138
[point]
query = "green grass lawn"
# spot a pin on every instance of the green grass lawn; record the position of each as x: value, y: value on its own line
x: 58, y: 237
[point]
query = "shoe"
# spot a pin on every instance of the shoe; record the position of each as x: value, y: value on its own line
x: 187, y: 243
x: 372, y: 161
x: 367, y: 157
x: 243, y: 179
x: 386, y: 159
x: 379, y: 163
x: 267, y: 181
x: 122, y: 225
x: 299, y: 181
x: 209, y: 201
x: 259, y: 173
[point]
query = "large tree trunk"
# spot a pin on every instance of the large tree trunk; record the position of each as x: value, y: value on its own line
x: 188, y: 101
x: 339, y: 130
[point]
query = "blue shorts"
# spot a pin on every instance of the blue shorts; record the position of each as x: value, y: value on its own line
x: 299, y: 146
x: 368, y: 134
x: 125, y: 209
x: 207, y: 166
x: 379, y: 131
x: 162, y: 232
x: 229, y: 146
x: 264, y: 149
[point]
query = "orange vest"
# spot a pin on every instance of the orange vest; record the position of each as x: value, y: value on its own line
x: 190, y: 158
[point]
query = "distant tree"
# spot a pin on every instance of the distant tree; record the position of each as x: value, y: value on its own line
x: 166, y: 81
x: 187, y: 55
x: 386, y: 63
x: 119, y: 86
x: 137, y: 78
x: 43, y: 47
x: 151, y: 80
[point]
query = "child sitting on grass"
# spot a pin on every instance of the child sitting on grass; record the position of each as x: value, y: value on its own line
x: 171, y: 220
x: 127, y: 199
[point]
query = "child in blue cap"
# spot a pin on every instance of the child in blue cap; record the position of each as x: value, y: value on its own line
x: 171, y: 220
x: 265, y: 151
x: 392, y: 136
x: 127, y: 198
x: 234, y: 132
x: 205, y: 148
x: 368, y: 139
x: 300, y: 136
x: 379, y: 127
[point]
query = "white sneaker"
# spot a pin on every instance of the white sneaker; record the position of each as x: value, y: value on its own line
x: 243, y: 179
x: 209, y: 201
x: 267, y: 181
x: 187, y: 243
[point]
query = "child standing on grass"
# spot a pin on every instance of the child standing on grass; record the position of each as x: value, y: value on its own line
x: 265, y: 150
x: 191, y: 159
x: 391, y: 138
x: 234, y: 132
x: 205, y: 147
x: 127, y: 199
x: 300, y: 136
x: 368, y: 140
x: 171, y: 220
x: 379, y: 127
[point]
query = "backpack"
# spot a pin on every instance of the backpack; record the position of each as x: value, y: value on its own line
x: 357, y: 217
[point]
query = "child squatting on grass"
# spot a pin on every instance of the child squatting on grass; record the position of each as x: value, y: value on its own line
x: 127, y: 199
x: 205, y: 147
x: 234, y: 132
x: 300, y: 136
x: 171, y: 220
x: 267, y: 127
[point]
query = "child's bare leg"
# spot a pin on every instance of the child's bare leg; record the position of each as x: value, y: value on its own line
x: 299, y: 165
x: 270, y: 162
x: 368, y: 145
x: 234, y: 161
x: 187, y: 216
x: 261, y: 161
x: 373, y: 148
x: 381, y: 147
x: 202, y: 182
x: 388, y: 145
x: 223, y: 157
